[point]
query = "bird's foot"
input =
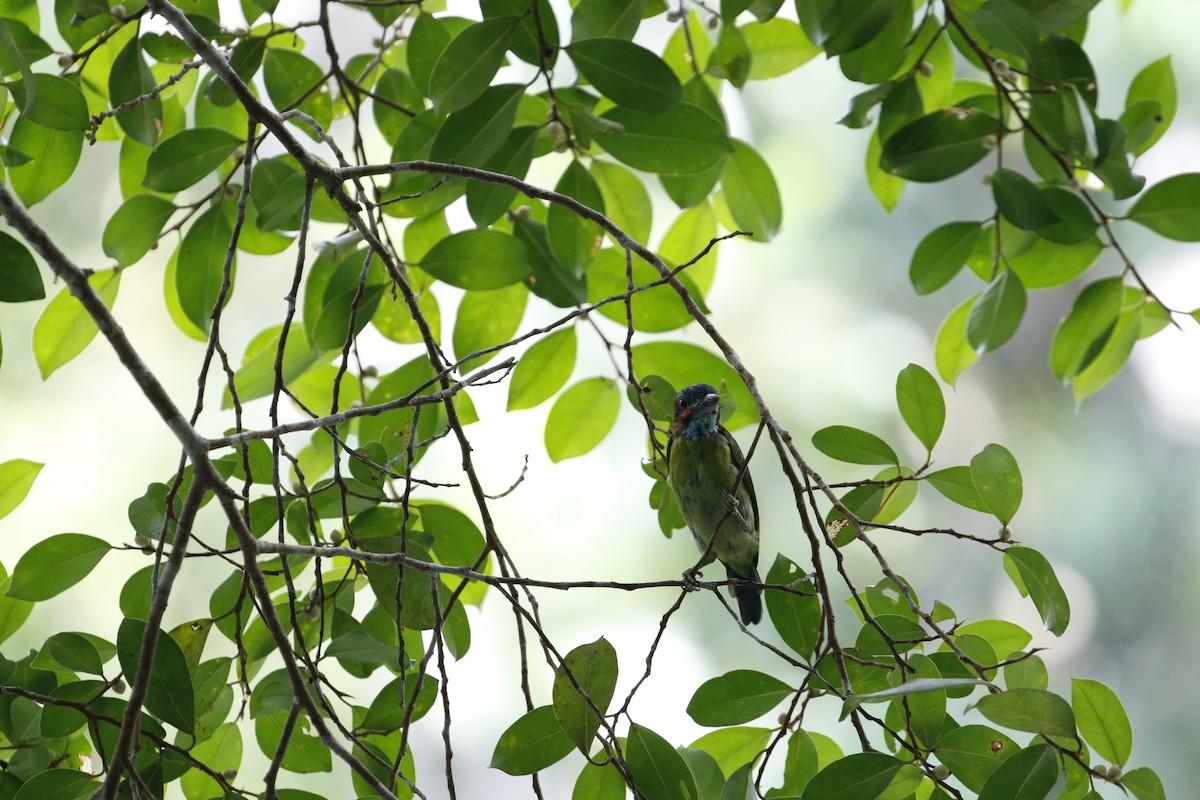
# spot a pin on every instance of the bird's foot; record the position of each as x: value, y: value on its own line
x: 735, y: 510
x: 690, y: 583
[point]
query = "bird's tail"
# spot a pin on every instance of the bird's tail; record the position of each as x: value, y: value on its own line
x: 749, y: 598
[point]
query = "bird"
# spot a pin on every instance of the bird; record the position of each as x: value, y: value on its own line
x: 703, y: 463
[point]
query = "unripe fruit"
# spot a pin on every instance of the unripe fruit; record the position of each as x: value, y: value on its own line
x: 229, y: 774
x: 555, y: 129
x: 522, y: 212
x: 118, y: 11
x: 941, y: 772
x: 118, y: 686
x: 66, y: 60
x: 925, y: 68
x: 990, y: 141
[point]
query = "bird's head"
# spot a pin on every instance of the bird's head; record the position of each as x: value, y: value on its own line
x: 697, y: 409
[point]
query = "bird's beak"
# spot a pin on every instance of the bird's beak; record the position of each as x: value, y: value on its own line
x: 709, y: 401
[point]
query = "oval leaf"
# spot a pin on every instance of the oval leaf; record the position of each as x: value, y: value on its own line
x: 921, y: 404
x: 997, y: 478
x: 134, y: 229
x: 1030, y: 710
x: 64, y: 329
x: 581, y: 417
x: 477, y: 259
x: 184, y: 158
x: 853, y: 446
x: 1034, y: 576
x: 658, y: 771
x: 684, y: 140
x: 594, y: 668
x: 1171, y: 208
x: 19, y: 277
x: 543, y: 370
x: 736, y: 697
x: 1102, y: 720
x: 55, y: 564
x: 627, y: 73
x: 532, y: 743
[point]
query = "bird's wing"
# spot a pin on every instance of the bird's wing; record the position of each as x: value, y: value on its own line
x: 670, y: 441
x: 736, y: 459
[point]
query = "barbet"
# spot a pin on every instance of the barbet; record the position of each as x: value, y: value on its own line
x: 703, y: 462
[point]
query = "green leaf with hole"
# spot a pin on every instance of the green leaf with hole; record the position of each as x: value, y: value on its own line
x: 134, y: 228
x: 532, y: 743
x: 1033, y: 576
x: 921, y: 404
x: 627, y: 73
x: 997, y: 478
x: 467, y: 65
x: 20, y: 280
x: 736, y: 697
x: 1154, y: 86
x: 64, y: 329
x: 542, y: 370
x: 183, y: 159
x: 853, y: 446
x: 477, y: 259
x: 55, y: 564
x: 1171, y: 208
x: 586, y: 690
x: 581, y: 417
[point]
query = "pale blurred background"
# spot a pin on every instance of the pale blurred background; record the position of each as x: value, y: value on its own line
x: 825, y: 317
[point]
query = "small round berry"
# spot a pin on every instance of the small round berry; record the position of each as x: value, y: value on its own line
x: 941, y: 772
x: 925, y: 68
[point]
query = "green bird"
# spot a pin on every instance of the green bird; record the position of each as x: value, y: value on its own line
x: 703, y: 461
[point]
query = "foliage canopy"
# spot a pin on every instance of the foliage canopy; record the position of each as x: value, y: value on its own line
x: 395, y: 179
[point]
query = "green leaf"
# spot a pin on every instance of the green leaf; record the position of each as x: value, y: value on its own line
x: 596, y: 782
x: 55, y: 564
x: 53, y: 156
x: 548, y: 279
x: 131, y: 81
x: 1031, y: 710
x: 777, y: 47
x: 134, y: 228
x: 626, y: 201
x: 1144, y: 783
x: 973, y: 752
x: 861, y: 776
x: 19, y: 277
x: 200, y: 266
x: 64, y: 329
x: 16, y: 479
x: 731, y: 57
x: 59, y: 105
x: 953, y: 354
x: 795, y: 615
x: 939, y: 145
x: 1020, y: 201
x: 997, y: 314
x: 1030, y: 774
x: 606, y: 18
x: 574, y: 240
x: 684, y: 140
x: 581, y: 417
x: 543, y: 370
x: 183, y: 159
x: 1037, y: 579
x: 1171, y: 208
x: 487, y: 202
x: 57, y: 784
x: 736, y: 697
x: 1045, y: 263
x: 1102, y: 720
x: 1004, y: 637
x: 733, y: 747
x: 532, y: 743
x: 68, y: 651
x: 477, y: 259
x: 295, y: 81
x: 1115, y: 352
x: 1155, y: 86
x: 256, y: 377
x: 751, y: 192
x: 853, y: 446
x: 941, y: 254
x: 220, y: 752
x: 468, y: 63
x: 1008, y: 26
x: 997, y: 478
x: 658, y: 771
x: 921, y: 404
x: 169, y: 696
x: 654, y: 310
x: 594, y: 668
x: 487, y: 318
x: 1082, y: 335
x: 627, y: 73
